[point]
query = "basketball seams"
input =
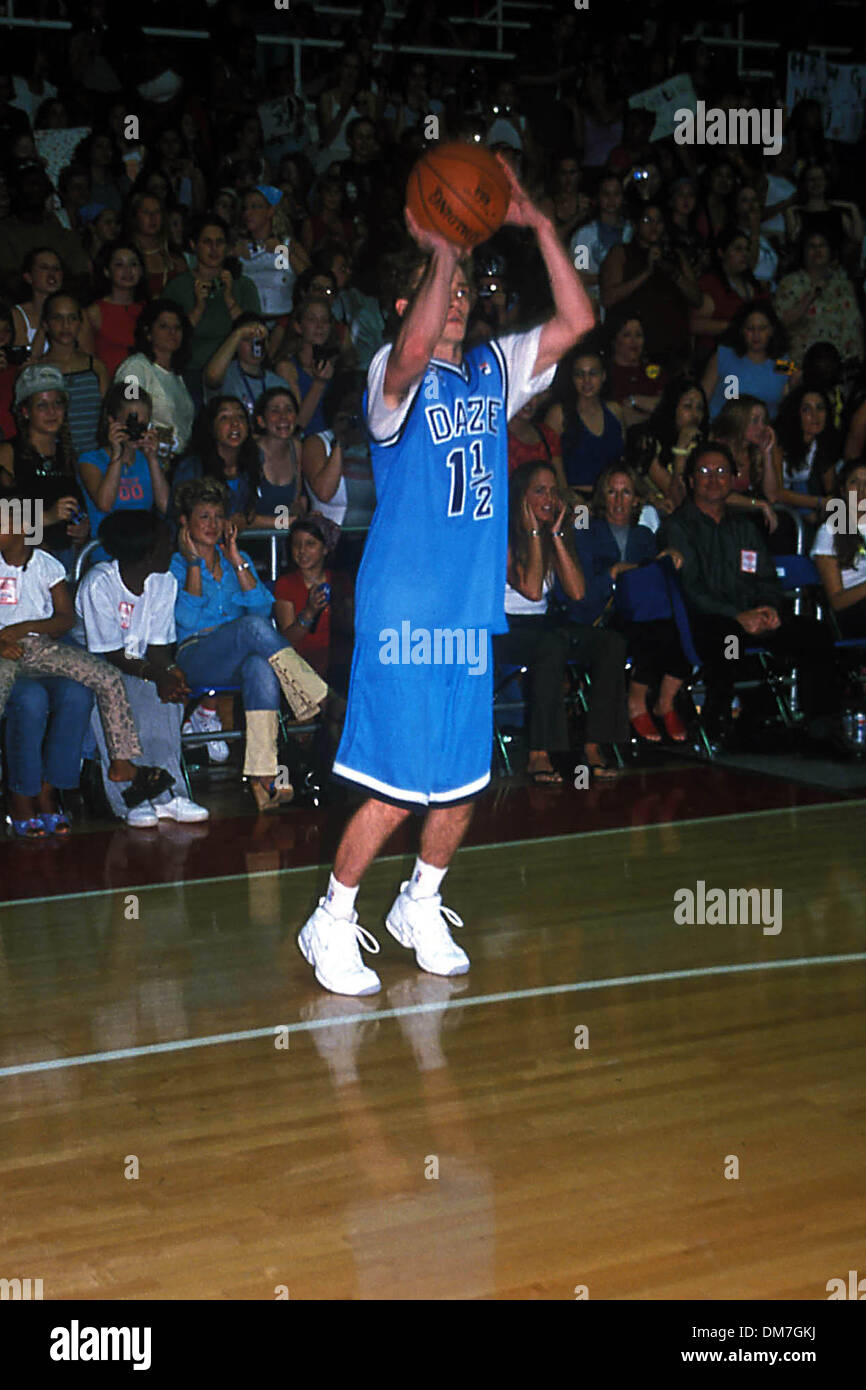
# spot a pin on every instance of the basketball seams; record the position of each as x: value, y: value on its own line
x: 476, y: 224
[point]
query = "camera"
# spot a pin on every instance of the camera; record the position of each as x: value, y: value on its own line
x: 486, y: 291
x: 324, y: 354
x: 135, y: 428
x: 16, y: 355
x: 640, y: 174
x: 257, y: 348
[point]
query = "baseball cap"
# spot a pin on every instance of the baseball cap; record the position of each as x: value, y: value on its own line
x: 502, y: 132
x: 35, y: 378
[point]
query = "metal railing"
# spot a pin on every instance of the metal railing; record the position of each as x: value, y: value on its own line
x: 273, y: 535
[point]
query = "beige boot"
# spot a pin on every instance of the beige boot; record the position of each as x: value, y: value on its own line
x: 261, y: 755
x: 302, y: 687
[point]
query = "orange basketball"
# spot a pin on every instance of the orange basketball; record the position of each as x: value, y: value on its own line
x: 459, y: 191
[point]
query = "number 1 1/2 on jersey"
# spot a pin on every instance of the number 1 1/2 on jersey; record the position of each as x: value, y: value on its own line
x: 480, y: 482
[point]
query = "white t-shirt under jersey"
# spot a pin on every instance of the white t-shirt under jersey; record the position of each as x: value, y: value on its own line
x: 25, y: 590
x: 112, y: 617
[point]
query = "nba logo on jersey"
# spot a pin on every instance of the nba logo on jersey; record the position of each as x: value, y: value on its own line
x: 485, y: 368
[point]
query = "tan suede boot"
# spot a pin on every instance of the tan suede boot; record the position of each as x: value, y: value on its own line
x: 302, y: 686
x: 261, y: 757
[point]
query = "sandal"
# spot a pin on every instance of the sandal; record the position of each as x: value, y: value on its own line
x: 601, y: 772
x: 645, y: 727
x: 545, y: 777
x: 29, y: 829
x: 55, y: 823
x: 147, y: 783
x: 269, y: 798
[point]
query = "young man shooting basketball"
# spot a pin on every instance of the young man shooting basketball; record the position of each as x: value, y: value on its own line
x: 419, y: 725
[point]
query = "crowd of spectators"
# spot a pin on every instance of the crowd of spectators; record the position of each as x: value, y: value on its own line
x: 198, y: 263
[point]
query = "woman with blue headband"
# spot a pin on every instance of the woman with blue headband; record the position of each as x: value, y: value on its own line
x: 270, y: 263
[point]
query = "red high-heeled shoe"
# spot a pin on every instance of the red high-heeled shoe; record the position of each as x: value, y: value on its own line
x: 674, y: 726
x: 645, y: 727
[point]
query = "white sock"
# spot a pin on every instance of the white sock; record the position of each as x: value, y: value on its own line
x: 425, y: 880
x: 340, y: 900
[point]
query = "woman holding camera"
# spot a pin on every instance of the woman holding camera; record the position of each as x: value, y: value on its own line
x: 644, y: 280
x: 123, y: 473
x: 310, y: 370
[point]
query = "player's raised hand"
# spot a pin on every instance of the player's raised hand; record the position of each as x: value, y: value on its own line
x: 522, y: 212
x: 431, y: 241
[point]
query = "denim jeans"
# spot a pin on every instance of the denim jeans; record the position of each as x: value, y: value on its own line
x: 236, y: 654
x: 46, y: 720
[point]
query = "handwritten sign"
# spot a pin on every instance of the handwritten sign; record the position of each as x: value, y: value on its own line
x: 839, y: 87
x: 677, y: 94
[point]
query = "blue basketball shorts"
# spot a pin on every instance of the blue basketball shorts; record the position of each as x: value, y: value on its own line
x: 419, y: 734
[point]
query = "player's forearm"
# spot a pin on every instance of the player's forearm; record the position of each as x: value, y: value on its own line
x: 424, y: 321
x: 571, y: 302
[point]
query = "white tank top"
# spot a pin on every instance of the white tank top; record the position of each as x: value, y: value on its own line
x: 275, y: 287
x: 30, y: 328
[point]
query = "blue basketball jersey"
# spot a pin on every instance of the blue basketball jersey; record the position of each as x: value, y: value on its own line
x: 437, y: 546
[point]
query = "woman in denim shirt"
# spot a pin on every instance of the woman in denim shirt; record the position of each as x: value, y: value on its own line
x: 225, y: 636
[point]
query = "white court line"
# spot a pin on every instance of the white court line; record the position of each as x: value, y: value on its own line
x: 579, y: 986
x: 465, y: 849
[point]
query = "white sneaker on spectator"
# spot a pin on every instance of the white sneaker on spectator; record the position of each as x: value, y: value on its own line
x: 330, y: 945
x: 142, y: 815
x: 207, y: 721
x: 180, y: 808
x: 421, y: 924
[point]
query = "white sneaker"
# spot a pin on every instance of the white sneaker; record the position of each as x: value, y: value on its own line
x: 207, y: 721
x: 142, y: 815
x: 421, y: 923
x: 180, y: 808
x: 330, y: 945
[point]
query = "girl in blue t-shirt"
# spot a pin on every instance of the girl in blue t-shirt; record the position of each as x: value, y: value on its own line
x: 124, y: 473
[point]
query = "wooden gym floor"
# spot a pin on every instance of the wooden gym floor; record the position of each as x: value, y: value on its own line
x: 562, y: 1118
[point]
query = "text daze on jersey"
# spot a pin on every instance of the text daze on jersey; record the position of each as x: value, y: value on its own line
x: 476, y: 415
